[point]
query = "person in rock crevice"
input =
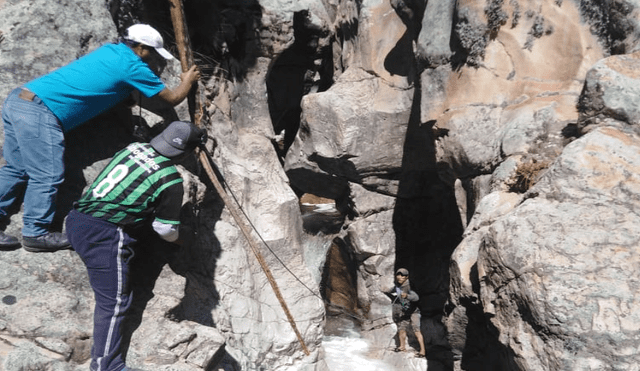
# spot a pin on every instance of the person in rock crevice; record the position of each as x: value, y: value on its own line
x: 405, y: 311
x: 36, y: 117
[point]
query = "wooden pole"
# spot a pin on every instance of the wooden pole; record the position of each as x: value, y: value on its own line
x: 253, y: 243
x: 186, y: 59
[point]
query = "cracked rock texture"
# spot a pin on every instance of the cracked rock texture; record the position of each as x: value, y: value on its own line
x: 490, y: 147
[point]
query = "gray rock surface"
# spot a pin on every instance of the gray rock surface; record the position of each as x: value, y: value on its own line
x: 340, y: 130
x: 67, y: 27
x: 546, y: 275
x: 611, y: 92
x: 561, y: 295
x: 501, y: 173
x: 434, y: 40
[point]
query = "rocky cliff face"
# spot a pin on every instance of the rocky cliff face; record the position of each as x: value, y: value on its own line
x: 488, y: 147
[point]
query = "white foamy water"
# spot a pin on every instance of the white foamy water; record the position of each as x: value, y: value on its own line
x: 350, y: 354
x: 346, y: 350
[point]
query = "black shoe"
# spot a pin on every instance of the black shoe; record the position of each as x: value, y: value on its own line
x: 52, y: 241
x: 8, y: 242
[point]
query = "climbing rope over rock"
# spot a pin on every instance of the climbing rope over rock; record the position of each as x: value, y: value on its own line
x: 195, y: 109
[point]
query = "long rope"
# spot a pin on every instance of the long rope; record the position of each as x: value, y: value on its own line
x: 234, y: 210
x: 258, y: 233
x: 196, y: 112
x: 342, y: 309
x: 186, y: 59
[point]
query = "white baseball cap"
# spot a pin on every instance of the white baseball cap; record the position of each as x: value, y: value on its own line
x: 147, y: 35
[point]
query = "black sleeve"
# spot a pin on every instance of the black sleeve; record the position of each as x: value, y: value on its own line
x: 169, y: 204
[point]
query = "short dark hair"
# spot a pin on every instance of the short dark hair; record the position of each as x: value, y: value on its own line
x: 130, y: 43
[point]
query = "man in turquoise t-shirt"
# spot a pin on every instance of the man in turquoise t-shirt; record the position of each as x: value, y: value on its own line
x: 37, y: 115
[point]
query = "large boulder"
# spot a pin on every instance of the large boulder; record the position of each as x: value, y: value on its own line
x: 523, y: 276
x: 354, y: 132
x: 518, y: 98
x: 611, y: 93
x: 560, y: 295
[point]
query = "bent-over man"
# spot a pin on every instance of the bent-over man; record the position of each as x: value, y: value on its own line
x: 140, y: 186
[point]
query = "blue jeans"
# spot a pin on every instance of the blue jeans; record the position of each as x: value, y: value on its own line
x: 105, y: 250
x: 34, y: 151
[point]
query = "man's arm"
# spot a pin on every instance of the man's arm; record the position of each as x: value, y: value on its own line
x: 413, y: 296
x: 390, y: 292
x: 168, y: 232
x: 177, y: 95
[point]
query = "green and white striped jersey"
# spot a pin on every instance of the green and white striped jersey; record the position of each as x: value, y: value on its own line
x: 138, y: 184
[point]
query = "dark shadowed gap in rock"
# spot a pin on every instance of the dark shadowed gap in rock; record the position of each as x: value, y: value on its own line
x: 340, y: 166
x: 468, y: 41
x: 9, y: 300
x: 482, y: 351
x: 467, y: 184
x: 347, y: 29
x: 124, y: 12
x: 411, y: 12
x: 299, y: 70
x: 198, y: 264
x: 339, y: 278
x: 472, y: 335
x: 222, y: 360
x: 320, y: 215
x: 610, y: 22
x: 319, y: 184
x: 223, y: 33
x: 395, y: 61
x: 428, y: 227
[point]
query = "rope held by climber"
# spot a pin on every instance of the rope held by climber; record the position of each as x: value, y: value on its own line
x: 195, y: 108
